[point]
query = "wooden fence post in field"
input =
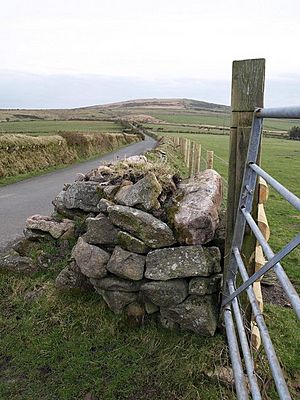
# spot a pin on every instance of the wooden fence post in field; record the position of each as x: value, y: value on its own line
x: 188, y: 151
x: 192, y: 159
x: 247, y: 93
x: 197, y: 157
x: 185, y: 150
x: 210, y: 159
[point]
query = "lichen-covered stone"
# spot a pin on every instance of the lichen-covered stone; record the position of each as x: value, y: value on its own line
x: 197, y: 313
x: 48, y: 224
x: 90, y: 259
x: 83, y: 195
x: 116, y: 284
x: 153, y: 232
x: 11, y: 261
x: 198, y: 202
x: 110, y: 191
x: 143, y: 194
x: 36, y: 236
x: 116, y: 300
x: 202, y: 286
x: 126, y: 264
x: 100, y: 230
x: 182, y: 262
x: 131, y: 243
x: 71, y: 279
x: 104, y: 204
x: 166, y: 294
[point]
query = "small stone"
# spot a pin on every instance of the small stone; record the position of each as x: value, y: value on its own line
x: 168, y: 323
x: 182, y: 262
x: 104, y: 204
x: 71, y: 279
x: 136, y: 160
x: 116, y: 284
x: 116, y: 301
x: 48, y: 224
x: 100, y: 231
x: 126, y: 264
x: 150, y: 307
x: 110, y: 191
x: 197, y: 313
x: 143, y: 194
x: 131, y: 243
x: 90, y: 259
x: 35, y: 236
x: 11, y: 261
x: 202, y: 286
x: 166, y: 294
x: 153, y: 232
x: 23, y: 246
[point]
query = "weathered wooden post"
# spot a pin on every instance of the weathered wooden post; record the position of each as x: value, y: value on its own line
x: 210, y: 159
x: 197, y: 157
x: 192, y: 159
x: 247, y: 93
x: 188, y: 152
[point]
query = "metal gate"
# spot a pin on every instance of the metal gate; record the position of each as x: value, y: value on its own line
x: 231, y: 305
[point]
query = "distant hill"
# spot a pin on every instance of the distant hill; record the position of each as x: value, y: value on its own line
x: 172, y: 104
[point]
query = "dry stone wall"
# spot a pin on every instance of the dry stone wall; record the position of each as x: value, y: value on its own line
x: 144, y: 241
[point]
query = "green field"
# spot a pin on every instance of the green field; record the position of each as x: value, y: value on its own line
x: 217, y: 119
x: 37, y: 128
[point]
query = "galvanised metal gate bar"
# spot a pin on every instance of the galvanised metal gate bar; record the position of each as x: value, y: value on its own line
x: 230, y: 303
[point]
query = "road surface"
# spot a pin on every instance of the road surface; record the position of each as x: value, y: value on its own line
x: 34, y: 196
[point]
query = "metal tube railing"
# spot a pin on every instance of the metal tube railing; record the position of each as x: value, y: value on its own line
x: 281, y: 275
x: 238, y: 374
x: 268, y: 265
x: 245, y: 347
x: 268, y: 345
x: 278, y: 112
x: 289, y: 196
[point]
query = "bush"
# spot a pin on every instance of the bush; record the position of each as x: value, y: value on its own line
x: 294, y: 133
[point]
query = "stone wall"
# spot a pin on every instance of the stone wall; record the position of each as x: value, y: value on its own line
x: 143, y: 241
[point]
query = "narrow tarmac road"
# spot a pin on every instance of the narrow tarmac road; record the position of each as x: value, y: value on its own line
x: 34, y: 196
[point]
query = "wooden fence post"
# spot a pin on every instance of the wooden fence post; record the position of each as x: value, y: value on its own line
x: 197, y: 157
x: 192, y: 159
x: 188, y: 151
x: 210, y: 159
x: 247, y: 93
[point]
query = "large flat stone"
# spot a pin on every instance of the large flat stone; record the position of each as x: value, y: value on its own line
x: 82, y: 195
x: 165, y: 294
x: 195, y: 215
x: 100, y: 230
x: 48, y: 224
x: 90, y: 259
x: 143, y: 194
x: 153, y: 232
x: 126, y: 264
x: 116, y: 284
x: 197, y: 313
x: 182, y: 262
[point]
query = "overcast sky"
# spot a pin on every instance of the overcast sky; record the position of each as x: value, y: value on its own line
x: 81, y: 52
